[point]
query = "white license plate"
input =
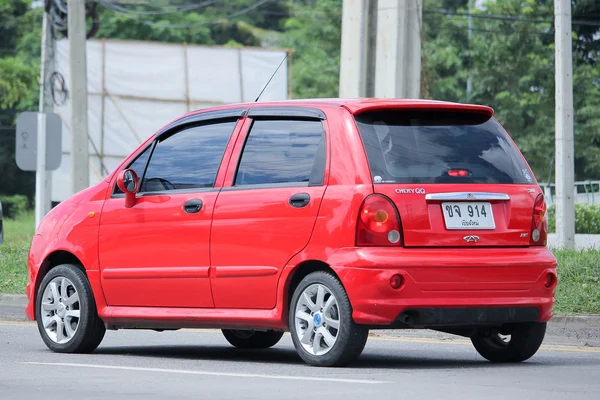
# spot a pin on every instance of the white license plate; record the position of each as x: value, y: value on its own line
x: 461, y: 215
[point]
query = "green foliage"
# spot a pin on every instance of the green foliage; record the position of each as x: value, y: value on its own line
x: 13, y: 253
x: 16, y: 80
x: 578, y: 289
x: 587, y: 219
x: 14, y: 206
x: 314, y: 31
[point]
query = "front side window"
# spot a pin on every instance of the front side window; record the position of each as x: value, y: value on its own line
x: 283, y: 151
x: 188, y: 159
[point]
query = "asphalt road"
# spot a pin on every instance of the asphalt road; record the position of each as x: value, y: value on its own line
x: 194, y: 364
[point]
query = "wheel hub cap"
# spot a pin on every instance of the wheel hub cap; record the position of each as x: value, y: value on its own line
x: 61, y: 310
x: 317, y: 319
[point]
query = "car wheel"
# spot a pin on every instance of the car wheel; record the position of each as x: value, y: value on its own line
x: 250, y: 339
x: 512, y: 345
x: 66, y: 311
x: 321, y: 325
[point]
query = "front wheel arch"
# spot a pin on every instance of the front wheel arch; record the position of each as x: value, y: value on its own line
x: 54, y: 259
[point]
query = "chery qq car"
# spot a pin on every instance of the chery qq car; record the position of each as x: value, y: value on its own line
x: 324, y: 218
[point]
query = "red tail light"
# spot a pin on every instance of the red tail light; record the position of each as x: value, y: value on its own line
x: 378, y: 223
x: 539, y: 223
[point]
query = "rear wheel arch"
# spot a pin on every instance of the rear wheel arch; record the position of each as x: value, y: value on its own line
x: 296, y: 276
x: 55, y: 259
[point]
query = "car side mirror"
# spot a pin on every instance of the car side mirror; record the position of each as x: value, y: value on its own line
x: 129, y: 184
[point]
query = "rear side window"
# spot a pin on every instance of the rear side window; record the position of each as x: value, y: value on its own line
x: 439, y: 147
x: 283, y: 151
x: 187, y: 159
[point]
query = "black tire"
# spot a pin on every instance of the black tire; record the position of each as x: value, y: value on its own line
x: 525, y: 341
x: 252, y: 339
x: 351, y: 337
x: 90, y: 330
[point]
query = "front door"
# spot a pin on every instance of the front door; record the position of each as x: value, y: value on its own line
x: 266, y: 212
x: 156, y: 254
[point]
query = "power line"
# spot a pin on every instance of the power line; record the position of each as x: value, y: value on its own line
x: 171, y: 8
x: 190, y: 25
x: 507, y: 17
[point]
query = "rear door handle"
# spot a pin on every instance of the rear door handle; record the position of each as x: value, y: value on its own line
x: 192, y: 206
x: 300, y: 200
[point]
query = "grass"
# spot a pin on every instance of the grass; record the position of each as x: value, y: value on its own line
x: 13, y: 253
x: 578, y: 290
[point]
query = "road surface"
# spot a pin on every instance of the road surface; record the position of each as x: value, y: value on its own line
x: 194, y: 364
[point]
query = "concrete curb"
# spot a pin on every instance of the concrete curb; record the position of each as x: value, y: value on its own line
x: 13, y: 300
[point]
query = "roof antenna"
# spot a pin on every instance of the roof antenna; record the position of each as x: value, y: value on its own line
x: 272, y: 76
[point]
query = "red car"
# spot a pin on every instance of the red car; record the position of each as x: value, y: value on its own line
x: 324, y: 218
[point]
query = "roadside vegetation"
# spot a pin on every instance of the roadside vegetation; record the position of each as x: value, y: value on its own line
x: 578, y: 273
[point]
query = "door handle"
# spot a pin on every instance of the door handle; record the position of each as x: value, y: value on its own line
x: 192, y: 206
x: 300, y: 200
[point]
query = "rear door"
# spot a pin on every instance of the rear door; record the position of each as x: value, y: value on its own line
x: 455, y: 176
x: 268, y: 206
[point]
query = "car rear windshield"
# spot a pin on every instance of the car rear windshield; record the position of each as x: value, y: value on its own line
x: 439, y: 147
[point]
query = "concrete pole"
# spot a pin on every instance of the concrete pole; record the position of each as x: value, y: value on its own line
x: 398, y: 59
x: 79, y: 103
x: 355, y: 57
x: 470, y: 34
x: 43, y: 178
x: 565, y: 167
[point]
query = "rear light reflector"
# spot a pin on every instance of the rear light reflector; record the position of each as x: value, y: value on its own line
x: 396, y: 281
x: 539, y: 223
x: 378, y: 223
x: 550, y: 280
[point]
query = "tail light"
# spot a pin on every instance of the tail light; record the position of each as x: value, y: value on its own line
x: 539, y: 223
x: 378, y: 223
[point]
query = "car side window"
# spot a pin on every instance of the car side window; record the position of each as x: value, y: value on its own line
x: 283, y: 151
x: 187, y: 159
x: 137, y: 165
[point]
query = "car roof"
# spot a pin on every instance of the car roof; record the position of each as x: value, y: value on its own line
x: 357, y: 105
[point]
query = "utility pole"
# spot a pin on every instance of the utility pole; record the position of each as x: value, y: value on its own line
x: 470, y: 34
x: 564, y: 143
x: 357, y: 58
x: 43, y: 178
x: 398, y: 58
x: 79, y: 99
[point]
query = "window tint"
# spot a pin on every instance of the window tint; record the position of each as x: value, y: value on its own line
x: 439, y: 147
x: 137, y: 165
x: 283, y: 151
x: 188, y: 159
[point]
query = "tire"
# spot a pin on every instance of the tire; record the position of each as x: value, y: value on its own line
x: 525, y: 341
x: 89, y: 328
x: 252, y: 339
x: 349, y: 338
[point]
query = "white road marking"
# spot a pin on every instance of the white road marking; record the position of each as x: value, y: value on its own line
x: 193, y: 372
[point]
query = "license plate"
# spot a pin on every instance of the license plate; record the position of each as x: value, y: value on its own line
x: 461, y: 215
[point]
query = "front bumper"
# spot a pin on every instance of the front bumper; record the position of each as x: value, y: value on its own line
x: 447, y: 287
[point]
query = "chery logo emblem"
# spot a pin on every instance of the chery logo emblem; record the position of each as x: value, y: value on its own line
x: 471, y: 239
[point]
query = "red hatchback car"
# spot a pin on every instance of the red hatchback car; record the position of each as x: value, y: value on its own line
x: 324, y: 218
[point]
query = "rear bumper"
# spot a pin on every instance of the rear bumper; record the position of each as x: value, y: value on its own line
x: 447, y: 287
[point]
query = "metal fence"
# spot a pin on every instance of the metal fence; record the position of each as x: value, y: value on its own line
x: 585, y: 192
